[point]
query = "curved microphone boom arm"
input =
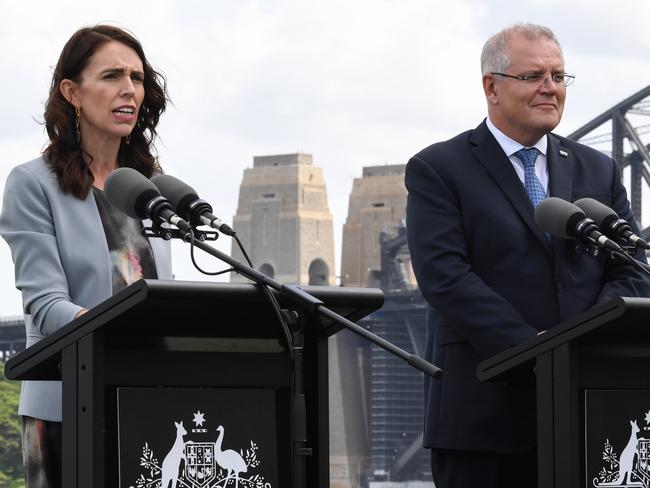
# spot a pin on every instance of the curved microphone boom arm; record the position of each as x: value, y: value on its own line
x: 312, y: 304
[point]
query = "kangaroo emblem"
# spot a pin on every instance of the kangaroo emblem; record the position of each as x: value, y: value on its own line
x: 172, y: 462
x: 626, y: 461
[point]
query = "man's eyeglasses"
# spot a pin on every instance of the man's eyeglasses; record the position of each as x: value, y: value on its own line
x: 535, y: 79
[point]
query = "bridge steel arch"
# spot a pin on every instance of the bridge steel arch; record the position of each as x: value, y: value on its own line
x: 624, y: 142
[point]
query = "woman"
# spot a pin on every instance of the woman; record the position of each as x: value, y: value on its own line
x: 70, y: 248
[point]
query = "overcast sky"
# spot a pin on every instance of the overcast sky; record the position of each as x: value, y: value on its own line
x: 354, y: 82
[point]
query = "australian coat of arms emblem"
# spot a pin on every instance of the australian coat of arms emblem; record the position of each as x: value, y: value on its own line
x: 631, y: 466
x: 200, y: 458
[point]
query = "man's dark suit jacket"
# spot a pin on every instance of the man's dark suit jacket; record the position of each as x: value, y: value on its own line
x: 493, y: 279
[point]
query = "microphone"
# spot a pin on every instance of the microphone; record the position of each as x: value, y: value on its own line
x: 566, y: 220
x: 609, y: 221
x: 133, y: 194
x: 188, y: 204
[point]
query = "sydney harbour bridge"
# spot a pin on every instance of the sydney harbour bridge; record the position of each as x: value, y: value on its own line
x: 619, y: 132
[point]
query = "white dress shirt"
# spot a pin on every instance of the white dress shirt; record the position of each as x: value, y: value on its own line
x: 510, y: 147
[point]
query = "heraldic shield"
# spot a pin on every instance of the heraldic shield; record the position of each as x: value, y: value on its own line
x: 200, y: 470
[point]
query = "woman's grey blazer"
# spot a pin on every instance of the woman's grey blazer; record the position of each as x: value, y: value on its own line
x: 62, y: 263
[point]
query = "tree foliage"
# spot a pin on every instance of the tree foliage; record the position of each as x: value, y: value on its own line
x: 11, y: 459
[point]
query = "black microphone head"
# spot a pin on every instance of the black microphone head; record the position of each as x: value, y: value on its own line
x: 129, y: 191
x: 600, y: 213
x: 558, y: 217
x: 179, y: 193
x: 182, y: 197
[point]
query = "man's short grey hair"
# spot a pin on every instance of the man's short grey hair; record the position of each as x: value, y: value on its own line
x: 494, y: 58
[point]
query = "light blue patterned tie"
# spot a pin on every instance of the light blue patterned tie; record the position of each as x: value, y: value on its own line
x: 535, y: 190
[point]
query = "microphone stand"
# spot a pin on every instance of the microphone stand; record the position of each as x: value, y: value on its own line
x: 593, y: 249
x: 310, y: 305
x: 624, y: 256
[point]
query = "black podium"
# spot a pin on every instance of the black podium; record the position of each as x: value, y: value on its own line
x: 593, y: 395
x: 163, y: 368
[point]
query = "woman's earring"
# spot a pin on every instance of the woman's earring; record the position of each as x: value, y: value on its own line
x: 77, y: 113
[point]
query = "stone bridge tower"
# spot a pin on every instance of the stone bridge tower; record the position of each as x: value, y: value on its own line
x: 284, y: 222
x: 377, y: 206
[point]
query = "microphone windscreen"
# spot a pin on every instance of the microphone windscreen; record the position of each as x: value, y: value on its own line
x: 600, y: 213
x: 558, y: 217
x: 129, y: 191
x: 179, y: 193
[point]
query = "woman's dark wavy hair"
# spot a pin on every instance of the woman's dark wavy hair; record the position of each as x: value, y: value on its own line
x: 64, y: 154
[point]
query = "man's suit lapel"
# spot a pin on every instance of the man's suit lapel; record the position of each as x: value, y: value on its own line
x: 560, y: 175
x: 490, y: 154
x: 560, y: 169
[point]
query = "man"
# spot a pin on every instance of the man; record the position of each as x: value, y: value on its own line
x: 493, y: 278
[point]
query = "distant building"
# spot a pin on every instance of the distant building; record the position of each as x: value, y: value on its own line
x: 377, y: 409
x: 284, y: 221
x: 396, y: 395
x: 377, y: 209
x: 12, y: 336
